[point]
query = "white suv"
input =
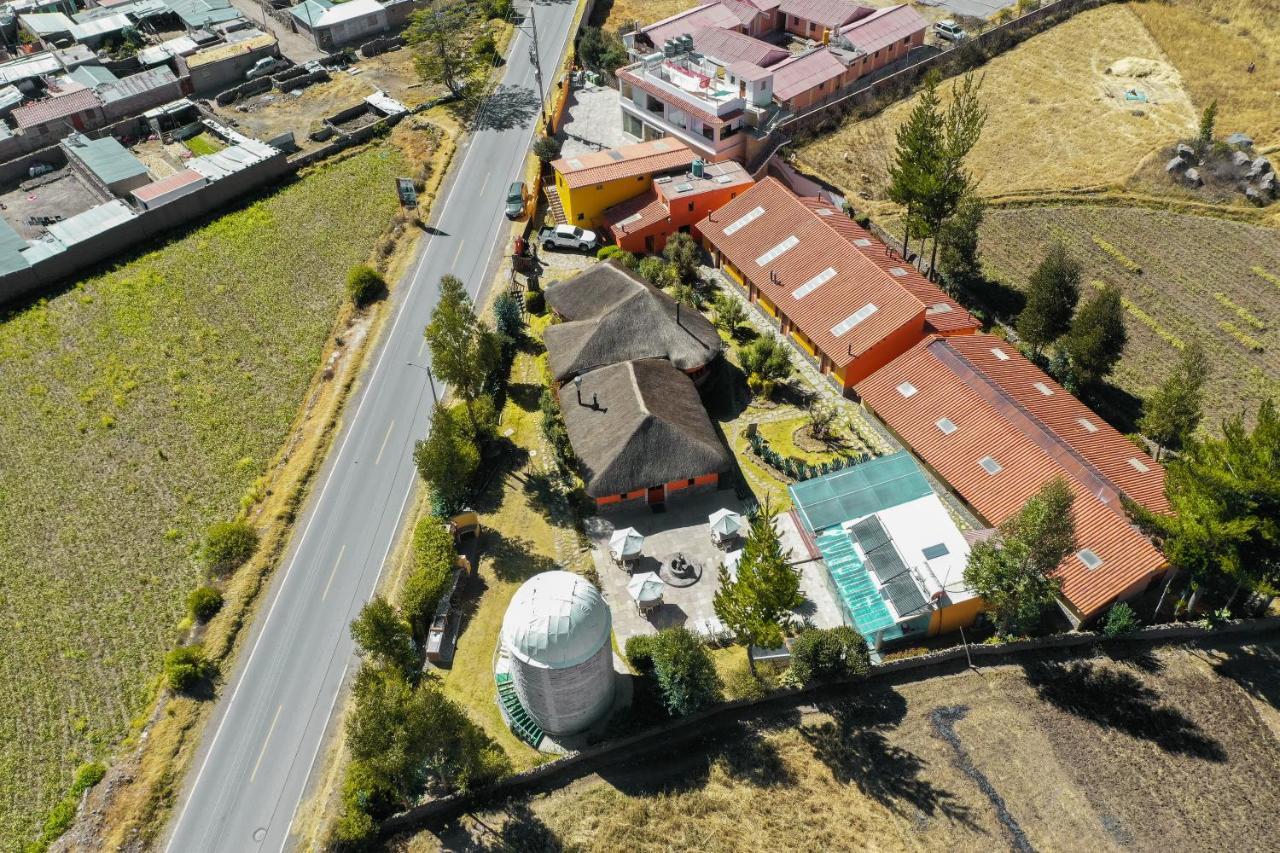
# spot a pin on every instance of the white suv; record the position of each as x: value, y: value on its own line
x: 949, y: 31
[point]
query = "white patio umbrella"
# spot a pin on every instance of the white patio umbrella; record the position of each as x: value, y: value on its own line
x: 646, y: 588
x: 625, y: 544
x: 725, y: 523
x: 731, y: 561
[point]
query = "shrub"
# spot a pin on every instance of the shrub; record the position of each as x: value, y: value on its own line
x: 607, y: 252
x: 433, y: 560
x: 651, y: 269
x: 508, y: 321
x: 766, y: 363
x: 740, y: 683
x: 685, y: 672
x: 500, y: 9
x: 186, y: 666
x: 204, y: 602
x: 1120, y: 620
x: 546, y: 148
x: 535, y: 303
x: 640, y: 653
x: 829, y: 653
x: 628, y: 260
x: 364, y: 285
x: 228, y: 545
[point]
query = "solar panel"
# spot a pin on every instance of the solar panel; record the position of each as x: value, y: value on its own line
x: 883, y: 559
x: 904, y: 594
x: 870, y: 534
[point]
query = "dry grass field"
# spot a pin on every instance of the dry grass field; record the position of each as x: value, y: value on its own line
x: 1171, y: 749
x: 1200, y: 277
x: 136, y: 408
x: 1058, y: 118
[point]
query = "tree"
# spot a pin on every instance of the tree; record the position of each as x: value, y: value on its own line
x: 915, y: 154
x: 683, y: 253
x: 766, y: 363
x: 554, y: 430
x: 1052, y: 294
x: 758, y: 604
x: 434, y: 556
x: 383, y: 637
x: 1120, y: 620
x: 1013, y: 570
x: 685, y: 673
x: 447, y: 460
x: 441, y: 42
x: 203, y: 603
x: 228, y: 545
x: 546, y: 148
x: 822, y: 420
x: 185, y: 667
x: 1224, y: 527
x: 829, y: 653
x: 508, y: 318
x: 959, y: 259
x: 653, y: 270
x: 1172, y: 413
x: 1208, y: 126
x: 729, y: 313
x: 601, y: 50
x: 1097, y: 337
x: 949, y: 181
x: 464, y: 351
x: 364, y: 284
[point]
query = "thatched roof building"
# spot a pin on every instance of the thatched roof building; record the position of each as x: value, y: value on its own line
x: 640, y: 425
x: 612, y: 315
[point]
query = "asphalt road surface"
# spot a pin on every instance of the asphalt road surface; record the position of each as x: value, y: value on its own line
x: 265, y: 739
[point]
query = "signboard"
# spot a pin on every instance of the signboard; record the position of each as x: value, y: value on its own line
x: 408, y: 195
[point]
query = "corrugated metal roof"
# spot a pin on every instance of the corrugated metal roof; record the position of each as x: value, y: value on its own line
x: 202, y: 13
x: 46, y: 23
x: 11, y: 247
x: 92, y: 76
x: 828, y: 13
x: 309, y: 12
x: 731, y: 46
x: 349, y: 11
x: 884, y: 28
x: 100, y: 26
x: 137, y: 84
x: 52, y: 109
x: 690, y: 22
x: 91, y: 223
x: 825, y: 314
x: 642, y: 158
x: 105, y: 157
x: 1032, y: 438
x: 227, y: 161
x: 795, y: 76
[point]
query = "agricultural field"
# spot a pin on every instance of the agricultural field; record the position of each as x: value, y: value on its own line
x: 1182, y: 276
x: 1150, y: 749
x: 136, y: 408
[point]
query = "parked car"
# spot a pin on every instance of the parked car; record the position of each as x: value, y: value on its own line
x: 37, y: 169
x: 264, y: 66
x: 567, y: 237
x: 949, y: 31
x: 517, y: 199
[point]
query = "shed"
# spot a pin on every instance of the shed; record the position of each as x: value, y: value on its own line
x: 106, y: 163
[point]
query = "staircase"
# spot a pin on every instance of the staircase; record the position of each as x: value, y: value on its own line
x: 553, y: 203
x: 521, y: 723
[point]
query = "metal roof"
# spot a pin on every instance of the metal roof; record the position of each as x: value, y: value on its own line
x: 11, y: 247
x: 309, y: 12
x: 137, y: 84
x: 46, y: 23
x: 105, y: 157
x: 100, y: 26
x: 828, y: 13
x: 91, y: 223
x: 691, y: 21
x: 797, y: 75
x: 556, y: 620
x: 52, y: 109
x: 92, y: 76
x: 349, y: 11
x: 883, y: 28
x: 860, y: 490
x: 176, y: 181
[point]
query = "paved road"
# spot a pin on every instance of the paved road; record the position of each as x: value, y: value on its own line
x: 264, y: 742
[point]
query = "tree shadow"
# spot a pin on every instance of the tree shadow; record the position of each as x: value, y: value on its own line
x: 1117, y: 406
x: 725, y: 392
x: 525, y: 395
x: 502, y: 458
x: 1116, y: 699
x: 513, y: 558
x: 508, y: 107
x: 1256, y: 671
x: 1002, y: 299
x: 514, y: 829
x: 1138, y: 656
x: 854, y: 748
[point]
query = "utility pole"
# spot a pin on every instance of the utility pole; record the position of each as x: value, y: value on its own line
x: 535, y: 56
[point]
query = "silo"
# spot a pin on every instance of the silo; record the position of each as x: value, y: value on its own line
x: 557, y: 635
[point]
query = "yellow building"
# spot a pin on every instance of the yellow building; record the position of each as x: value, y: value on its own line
x: 589, y: 184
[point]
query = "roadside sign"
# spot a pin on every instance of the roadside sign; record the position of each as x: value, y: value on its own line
x: 408, y: 195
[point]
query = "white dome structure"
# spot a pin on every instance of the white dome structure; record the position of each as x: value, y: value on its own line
x: 557, y: 634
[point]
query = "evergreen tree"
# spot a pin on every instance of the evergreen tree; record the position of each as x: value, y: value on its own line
x: 683, y: 253
x: 1208, y: 126
x: 464, y: 351
x: 766, y: 363
x: 729, y: 313
x: 1097, y: 337
x: 1173, y: 412
x: 685, y: 673
x: 959, y: 259
x: 950, y: 181
x: 915, y: 156
x: 383, y: 637
x: 757, y: 606
x: 447, y: 460
x: 1052, y: 294
x: 1013, y: 571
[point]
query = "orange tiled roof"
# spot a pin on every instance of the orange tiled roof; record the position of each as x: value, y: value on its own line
x: 635, y: 214
x: 997, y: 406
x: 819, y: 281
x: 641, y: 158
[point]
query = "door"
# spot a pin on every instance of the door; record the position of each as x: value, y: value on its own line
x: 657, y: 494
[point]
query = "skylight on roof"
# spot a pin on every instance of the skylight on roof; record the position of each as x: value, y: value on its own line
x: 814, y: 283
x: 723, y: 179
x: 1089, y: 426
x: 897, y: 272
x: 684, y: 188
x: 1000, y: 354
x: 933, y: 552
x: 947, y: 425
x: 1043, y: 389
x: 863, y: 242
x: 938, y: 308
x: 906, y: 389
x: 1138, y: 465
x: 853, y: 319
x: 825, y: 211
x: 575, y: 163
x: 990, y: 465
x: 744, y: 220
x: 1091, y: 560
x: 665, y: 179
x: 777, y: 251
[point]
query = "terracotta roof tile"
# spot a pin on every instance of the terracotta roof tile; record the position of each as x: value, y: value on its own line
x: 51, y: 109
x: 998, y: 411
x: 635, y: 214
x: 642, y: 158
x: 788, y: 249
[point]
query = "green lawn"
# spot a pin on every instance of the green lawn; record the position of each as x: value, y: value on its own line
x: 135, y: 408
x: 202, y: 144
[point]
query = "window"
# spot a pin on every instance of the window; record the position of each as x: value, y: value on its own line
x: 1000, y: 354
x: 947, y: 425
x: 640, y: 177
x: 1089, y: 426
x: 853, y: 319
x: 990, y: 465
x: 743, y: 221
x: 1091, y: 560
x: 907, y: 40
x: 690, y: 207
x: 814, y: 283
x: 728, y: 130
x: 933, y: 552
x: 897, y: 272
x: 1138, y: 465
x: 1044, y: 389
x: 906, y: 389
x: 777, y: 251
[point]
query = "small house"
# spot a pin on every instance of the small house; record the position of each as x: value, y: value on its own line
x: 588, y: 184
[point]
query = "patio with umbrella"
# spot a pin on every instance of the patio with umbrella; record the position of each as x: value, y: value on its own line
x: 725, y: 525
x: 646, y: 590
x: 625, y: 545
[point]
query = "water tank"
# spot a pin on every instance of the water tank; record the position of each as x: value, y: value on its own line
x: 557, y: 634
x: 697, y: 169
